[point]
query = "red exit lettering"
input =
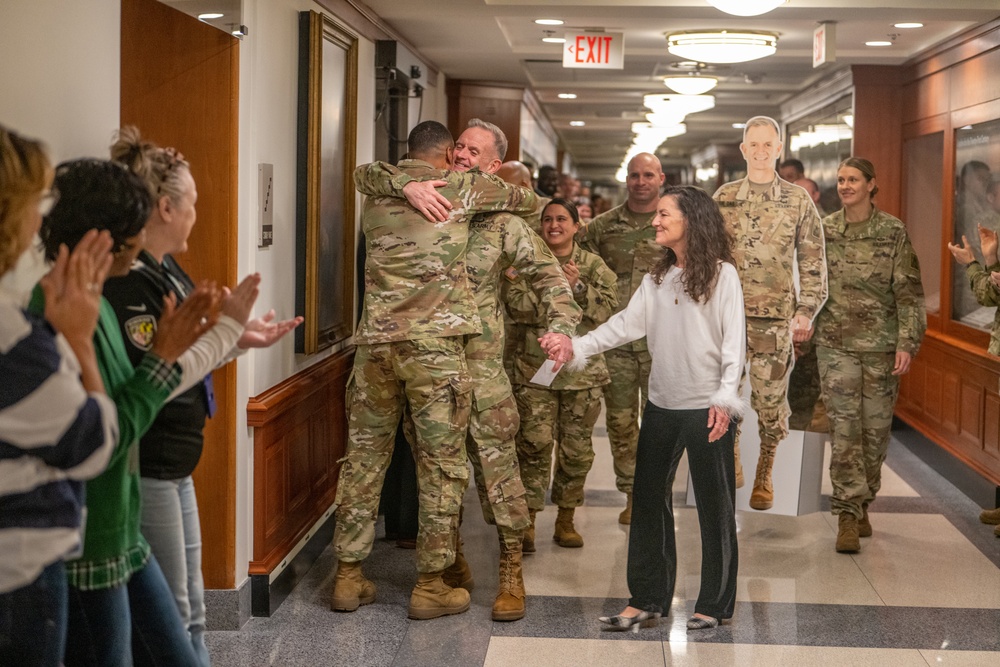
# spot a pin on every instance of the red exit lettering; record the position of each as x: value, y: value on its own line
x: 592, y: 49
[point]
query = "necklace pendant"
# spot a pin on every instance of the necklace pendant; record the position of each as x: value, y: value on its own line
x: 675, y: 300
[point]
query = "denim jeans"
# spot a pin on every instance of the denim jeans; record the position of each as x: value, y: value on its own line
x: 652, y: 547
x: 33, y: 620
x: 131, y: 624
x: 170, y: 524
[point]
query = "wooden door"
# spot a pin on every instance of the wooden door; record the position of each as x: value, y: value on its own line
x: 179, y: 86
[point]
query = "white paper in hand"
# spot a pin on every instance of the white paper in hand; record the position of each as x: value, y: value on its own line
x: 545, y: 375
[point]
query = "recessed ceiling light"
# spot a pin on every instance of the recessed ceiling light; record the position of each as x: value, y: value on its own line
x: 554, y: 40
x: 567, y: 96
x: 576, y: 123
x: 549, y: 21
x: 878, y: 43
x: 209, y: 16
x: 908, y: 25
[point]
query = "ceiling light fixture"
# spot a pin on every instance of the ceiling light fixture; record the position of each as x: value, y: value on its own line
x: 567, y: 96
x: 913, y: 24
x: 690, y: 84
x: 681, y: 105
x: 878, y: 43
x: 549, y: 21
x: 746, y: 7
x: 209, y: 16
x: 577, y: 123
x: 722, y: 46
x: 554, y: 40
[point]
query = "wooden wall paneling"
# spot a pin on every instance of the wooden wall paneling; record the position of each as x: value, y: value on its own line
x: 926, y: 97
x: 951, y: 397
x: 991, y: 423
x: 878, y: 123
x: 300, y: 434
x: 976, y: 81
x: 496, y: 103
x: 971, y: 412
x: 932, y: 395
x: 180, y: 86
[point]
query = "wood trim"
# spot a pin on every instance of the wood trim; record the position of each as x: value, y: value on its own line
x: 300, y: 435
x: 966, y: 45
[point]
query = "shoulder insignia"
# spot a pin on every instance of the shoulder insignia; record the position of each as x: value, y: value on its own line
x: 511, y: 273
x: 140, y: 331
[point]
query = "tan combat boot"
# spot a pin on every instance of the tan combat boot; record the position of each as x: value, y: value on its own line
x: 432, y: 598
x: 625, y: 518
x: 739, y: 466
x: 350, y: 588
x: 864, y: 525
x: 528, y: 541
x: 762, y: 497
x: 509, y: 603
x: 848, y: 540
x: 991, y: 517
x: 566, y: 535
x: 459, y: 574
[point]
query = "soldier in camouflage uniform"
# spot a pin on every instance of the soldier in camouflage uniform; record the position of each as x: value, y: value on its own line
x: 418, y: 308
x: 866, y: 336
x: 566, y: 411
x: 499, y: 244
x: 774, y: 224
x: 625, y: 239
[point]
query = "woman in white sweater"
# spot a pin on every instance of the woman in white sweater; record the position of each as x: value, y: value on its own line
x: 690, y: 309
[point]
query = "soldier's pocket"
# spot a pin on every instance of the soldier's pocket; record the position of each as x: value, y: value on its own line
x: 454, y: 479
x: 762, y: 342
x: 461, y: 390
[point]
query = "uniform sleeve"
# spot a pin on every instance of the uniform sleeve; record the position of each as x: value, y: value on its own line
x: 979, y: 281
x: 734, y: 335
x: 483, y: 193
x: 600, y: 298
x: 810, y: 253
x: 529, y: 255
x: 589, y: 238
x: 520, y: 302
x: 380, y: 179
x: 624, y: 326
x: 908, y: 292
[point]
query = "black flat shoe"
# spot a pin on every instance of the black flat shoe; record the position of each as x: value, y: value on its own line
x: 699, y: 623
x: 644, y: 619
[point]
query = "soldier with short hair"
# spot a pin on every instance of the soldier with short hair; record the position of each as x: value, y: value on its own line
x: 418, y: 309
x: 625, y: 239
x: 774, y: 225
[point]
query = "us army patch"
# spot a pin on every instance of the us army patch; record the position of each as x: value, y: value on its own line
x: 511, y: 273
x: 140, y: 331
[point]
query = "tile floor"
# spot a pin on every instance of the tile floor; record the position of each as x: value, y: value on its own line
x: 924, y: 590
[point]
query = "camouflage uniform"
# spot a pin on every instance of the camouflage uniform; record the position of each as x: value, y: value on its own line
x: 501, y: 243
x: 771, y: 231
x: 986, y: 295
x: 567, y: 410
x: 417, y: 310
x: 876, y: 307
x: 534, y: 219
x: 626, y: 241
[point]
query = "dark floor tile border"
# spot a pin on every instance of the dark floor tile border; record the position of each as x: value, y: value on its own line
x: 776, y: 623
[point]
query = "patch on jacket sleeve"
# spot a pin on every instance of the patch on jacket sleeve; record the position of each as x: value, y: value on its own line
x: 511, y: 273
x: 140, y: 331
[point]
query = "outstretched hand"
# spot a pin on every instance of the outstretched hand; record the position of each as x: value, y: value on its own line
x: 718, y: 422
x: 424, y: 197
x: 558, y: 346
x: 962, y: 253
x: 264, y: 332
x: 238, y: 304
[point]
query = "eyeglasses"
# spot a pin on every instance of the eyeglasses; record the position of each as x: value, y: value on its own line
x: 47, y: 201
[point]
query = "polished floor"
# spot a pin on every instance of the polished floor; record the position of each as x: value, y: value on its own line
x: 923, y: 591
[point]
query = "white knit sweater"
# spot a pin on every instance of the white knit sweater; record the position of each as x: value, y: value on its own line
x: 698, y: 349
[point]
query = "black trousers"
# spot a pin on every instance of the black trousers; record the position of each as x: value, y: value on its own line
x: 652, y: 547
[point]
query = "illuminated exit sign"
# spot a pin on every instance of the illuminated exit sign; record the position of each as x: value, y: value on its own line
x: 594, y: 50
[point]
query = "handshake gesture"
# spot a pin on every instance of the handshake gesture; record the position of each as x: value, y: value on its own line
x: 558, y: 346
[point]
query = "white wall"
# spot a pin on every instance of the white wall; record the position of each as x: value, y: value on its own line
x: 61, y: 72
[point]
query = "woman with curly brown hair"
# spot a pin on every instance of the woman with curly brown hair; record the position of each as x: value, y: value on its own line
x: 690, y: 309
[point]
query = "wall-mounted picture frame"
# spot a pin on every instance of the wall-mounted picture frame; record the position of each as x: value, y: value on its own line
x: 325, y: 199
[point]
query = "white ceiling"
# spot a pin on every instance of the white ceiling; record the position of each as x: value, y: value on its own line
x: 497, y: 40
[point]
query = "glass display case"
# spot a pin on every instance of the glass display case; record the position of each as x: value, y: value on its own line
x: 924, y: 210
x: 822, y: 140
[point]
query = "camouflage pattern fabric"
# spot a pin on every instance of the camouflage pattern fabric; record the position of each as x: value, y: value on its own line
x: 430, y: 375
x: 769, y: 361
x: 987, y: 295
x: 534, y: 219
x: 624, y: 400
x: 876, y: 299
x: 416, y: 283
x: 771, y: 231
x: 859, y: 391
x: 564, y: 418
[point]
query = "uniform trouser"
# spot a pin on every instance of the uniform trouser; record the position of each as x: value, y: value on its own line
x: 629, y: 376
x: 860, y: 392
x: 431, y: 376
x: 652, y: 546
x: 769, y: 358
x: 493, y: 454
x: 566, y: 417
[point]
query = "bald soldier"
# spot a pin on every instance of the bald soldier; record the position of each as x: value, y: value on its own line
x: 625, y: 239
x: 774, y: 226
x: 418, y: 309
x: 500, y: 247
x: 516, y: 173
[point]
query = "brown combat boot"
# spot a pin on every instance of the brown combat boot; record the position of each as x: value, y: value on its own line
x: 350, y: 588
x: 864, y: 525
x: 509, y: 603
x: 848, y: 540
x: 528, y: 541
x: 625, y: 518
x: 459, y: 574
x: 740, y: 481
x: 432, y: 598
x: 762, y: 497
x: 566, y: 535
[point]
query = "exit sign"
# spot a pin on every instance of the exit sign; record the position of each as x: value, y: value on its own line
x: 594, y: 50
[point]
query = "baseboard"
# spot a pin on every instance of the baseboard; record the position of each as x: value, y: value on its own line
x: 227, y: 609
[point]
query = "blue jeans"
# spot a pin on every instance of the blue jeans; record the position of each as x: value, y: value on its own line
x: 33, y: 620
x: 131, y: 624
x: 170, y: 524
